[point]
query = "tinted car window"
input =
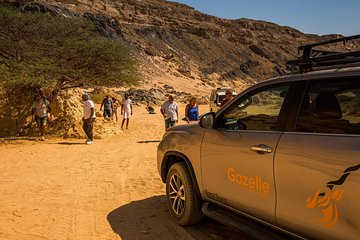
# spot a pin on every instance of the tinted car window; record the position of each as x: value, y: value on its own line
x: 220, y: 98
x: 331, y: 107
x: 259, y: 111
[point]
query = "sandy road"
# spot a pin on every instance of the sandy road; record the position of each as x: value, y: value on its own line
x: 64, y: 189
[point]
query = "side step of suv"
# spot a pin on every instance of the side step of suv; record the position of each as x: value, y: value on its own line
x: 242, y: 224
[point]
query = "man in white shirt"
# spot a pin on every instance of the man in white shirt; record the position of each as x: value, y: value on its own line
x: 126, y: 110
x: 88, y: 118
x: 41, y: 109
x: 169, y: 110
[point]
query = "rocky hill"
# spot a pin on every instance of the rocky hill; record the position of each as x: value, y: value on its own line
x: 180, y: 51
x: 184, y: 48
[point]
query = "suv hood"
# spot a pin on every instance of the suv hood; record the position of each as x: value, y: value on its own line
x: 183, y: 127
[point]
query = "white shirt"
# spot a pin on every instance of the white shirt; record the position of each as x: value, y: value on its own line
x: 126, y: 105
x: 170, y: 110
x: 87, y: 109
x: 41, y: 107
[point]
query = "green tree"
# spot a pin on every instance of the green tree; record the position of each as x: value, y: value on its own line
x: 53, y: 51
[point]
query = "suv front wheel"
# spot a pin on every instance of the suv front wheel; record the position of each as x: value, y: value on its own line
x: 181, y: 196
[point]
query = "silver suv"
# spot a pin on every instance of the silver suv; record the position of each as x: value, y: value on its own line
x: 285, y: 153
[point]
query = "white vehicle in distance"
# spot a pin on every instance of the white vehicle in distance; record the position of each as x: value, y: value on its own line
x: 217, y: 95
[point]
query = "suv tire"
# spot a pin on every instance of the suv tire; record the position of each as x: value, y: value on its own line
x: 182, y: 199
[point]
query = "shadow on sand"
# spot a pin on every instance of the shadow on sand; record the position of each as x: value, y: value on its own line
x: 70, y: 143
x: 150, y: 219
x: 149, y: 141
x: 20, y: 138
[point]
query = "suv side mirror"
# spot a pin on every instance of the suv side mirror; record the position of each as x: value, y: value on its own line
x: 207, y: 120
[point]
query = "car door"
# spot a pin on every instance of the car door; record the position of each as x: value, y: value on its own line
x: 237, y: 155
x: 317, y: 164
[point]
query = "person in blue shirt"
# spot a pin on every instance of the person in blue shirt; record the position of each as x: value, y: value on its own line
x: 192, y: 111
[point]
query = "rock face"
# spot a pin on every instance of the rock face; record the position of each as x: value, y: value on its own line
x: 180, y: 46
x: 180, y: 51
x: 65, y: 120
x: 156, y: 96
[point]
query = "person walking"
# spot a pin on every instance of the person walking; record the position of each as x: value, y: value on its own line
x: 191, y: 111
x: 40, y: 110
x: 115, y: 108
x: 88, y: 118
x: 126, y: 111
x: 107, y: 103
x: 169, y: 110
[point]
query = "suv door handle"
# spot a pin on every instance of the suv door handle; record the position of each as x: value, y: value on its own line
x: 261, y: 148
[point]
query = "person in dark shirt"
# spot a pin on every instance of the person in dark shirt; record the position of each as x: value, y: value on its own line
x: 107, y: 103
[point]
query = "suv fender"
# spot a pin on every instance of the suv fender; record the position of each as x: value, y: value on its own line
x: 173, y: 157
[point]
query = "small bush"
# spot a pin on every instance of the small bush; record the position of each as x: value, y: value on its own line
x: 97, y: 97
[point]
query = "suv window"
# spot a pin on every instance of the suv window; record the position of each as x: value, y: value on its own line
x: 259, y: 111
x: 220, y: 98
x: 331, y: 107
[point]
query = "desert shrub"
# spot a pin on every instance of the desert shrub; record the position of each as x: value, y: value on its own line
x: 51, y: 53
x: 44, y: 50
x: 97, y: 97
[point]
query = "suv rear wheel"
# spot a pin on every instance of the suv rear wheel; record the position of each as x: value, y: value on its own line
x: 181, y: 196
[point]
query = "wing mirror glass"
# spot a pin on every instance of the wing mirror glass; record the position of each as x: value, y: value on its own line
x: 207, y: 120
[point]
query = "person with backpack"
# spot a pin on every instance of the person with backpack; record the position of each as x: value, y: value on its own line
x: 40, y: 110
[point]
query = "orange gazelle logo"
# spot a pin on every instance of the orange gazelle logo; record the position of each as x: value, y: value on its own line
x: 326, y: 199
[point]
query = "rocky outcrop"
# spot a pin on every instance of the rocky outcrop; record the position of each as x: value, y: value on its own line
x: 174, y: 41
x: 180, y: 51
x: 156, y: 96
x: 65, y: 119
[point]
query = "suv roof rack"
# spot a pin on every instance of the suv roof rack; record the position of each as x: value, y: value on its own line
x: 313, y: 58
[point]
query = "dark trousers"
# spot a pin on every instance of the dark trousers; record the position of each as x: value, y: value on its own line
x: 107, y: 113
x: 88, y: 128
x: 169, y: 123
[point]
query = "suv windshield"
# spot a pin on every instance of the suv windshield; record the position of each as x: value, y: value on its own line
x: 256, y: 112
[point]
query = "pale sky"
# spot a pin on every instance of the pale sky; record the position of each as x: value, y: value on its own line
x: 309, y: 16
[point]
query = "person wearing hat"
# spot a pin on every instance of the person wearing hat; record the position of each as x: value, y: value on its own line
x: 228, y: 97
x: 88, y: 118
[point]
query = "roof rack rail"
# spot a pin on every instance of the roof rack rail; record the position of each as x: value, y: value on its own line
x: 312, y: 58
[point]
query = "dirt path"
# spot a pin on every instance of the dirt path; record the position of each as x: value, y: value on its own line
x: 64, y: 189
